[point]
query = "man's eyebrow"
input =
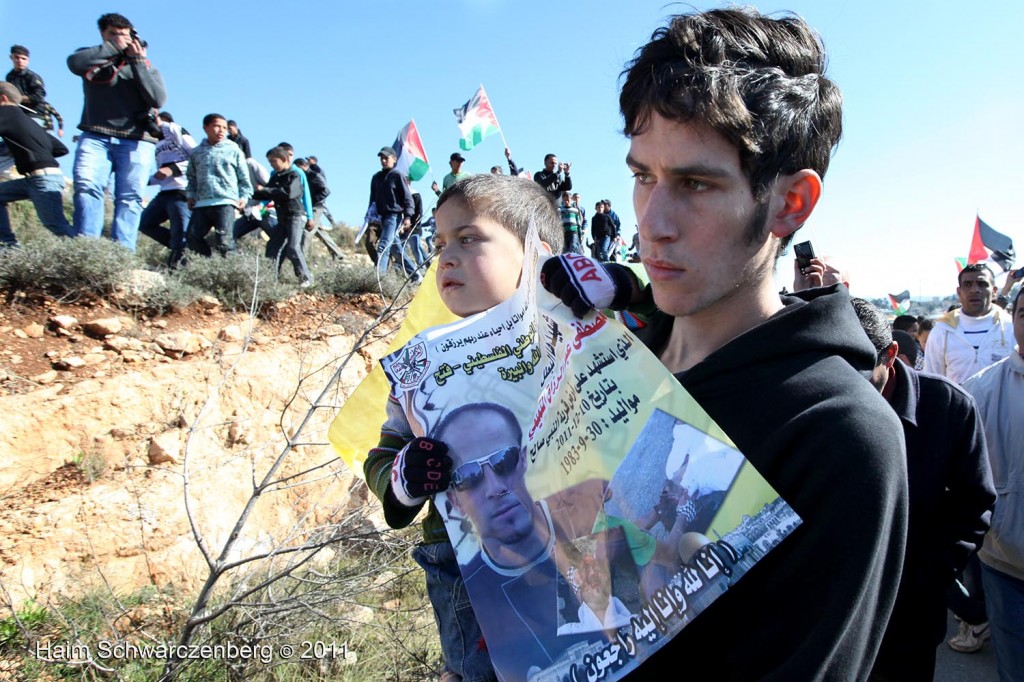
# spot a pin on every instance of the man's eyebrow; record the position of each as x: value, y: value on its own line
x: 697, y: 169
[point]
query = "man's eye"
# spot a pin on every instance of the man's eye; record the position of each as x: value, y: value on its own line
x: 695, y: 185
x: 642, y: 178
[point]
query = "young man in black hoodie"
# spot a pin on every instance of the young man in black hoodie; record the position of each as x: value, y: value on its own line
x: 732, y: 122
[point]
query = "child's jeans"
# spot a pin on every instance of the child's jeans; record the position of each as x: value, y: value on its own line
x: 461, y: 640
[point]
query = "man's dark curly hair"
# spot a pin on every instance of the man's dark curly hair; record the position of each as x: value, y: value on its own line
x: 757, y: 81
x: 113, y: 20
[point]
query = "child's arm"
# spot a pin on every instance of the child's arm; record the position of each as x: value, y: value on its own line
x: 242, y: 173
x: 403, y: 461
x: 190, y: 178
x: 584, y: 284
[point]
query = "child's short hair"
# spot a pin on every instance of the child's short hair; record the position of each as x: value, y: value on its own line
x: 278, y: 152
x: 210, y: 118
x: 512, y: 202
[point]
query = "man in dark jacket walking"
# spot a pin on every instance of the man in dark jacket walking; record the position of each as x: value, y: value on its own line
x: 393, y: 202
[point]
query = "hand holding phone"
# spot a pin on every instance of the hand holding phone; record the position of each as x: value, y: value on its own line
x: 804, y: 252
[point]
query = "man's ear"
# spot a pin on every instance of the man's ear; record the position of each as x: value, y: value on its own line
x: 890, y: 354
x: 546, y: 247
x: 799, y: 193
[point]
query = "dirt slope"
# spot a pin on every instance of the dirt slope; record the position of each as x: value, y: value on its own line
x: 107, y: 420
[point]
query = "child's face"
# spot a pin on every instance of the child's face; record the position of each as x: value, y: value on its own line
x: 478, y: 260
x: 277, y: 164
x: 216, y: 130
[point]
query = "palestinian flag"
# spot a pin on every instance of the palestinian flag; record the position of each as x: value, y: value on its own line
x: 412, y: 160
x: 476, y: 120
x: 990, y: 246
x: 961, y: 263
x: 900, y: 302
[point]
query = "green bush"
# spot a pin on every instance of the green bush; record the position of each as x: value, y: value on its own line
x: 233, y: 279
x: 69, y: 268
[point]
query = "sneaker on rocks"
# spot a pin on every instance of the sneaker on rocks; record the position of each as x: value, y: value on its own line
x: 970, y: 638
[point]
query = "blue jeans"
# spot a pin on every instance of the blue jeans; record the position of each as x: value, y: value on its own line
x: 1004, y: 599
x: 222, y: 219
x: 389, y: 244
x: 601, y: 246
x: 461, y: 639
x: 172, y: 206
x: 419, y: 256
x: 132, y: 162
x: 45, y: 192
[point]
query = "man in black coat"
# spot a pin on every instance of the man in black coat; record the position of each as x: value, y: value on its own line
x: 391, y: 198
x: 732, y: 122
x: 951, y: 497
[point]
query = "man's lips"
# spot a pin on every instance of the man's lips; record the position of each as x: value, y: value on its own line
x: 658, y: 269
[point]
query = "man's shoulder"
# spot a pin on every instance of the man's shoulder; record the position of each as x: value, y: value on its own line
x: 937, y: 388
x: 989, y: 377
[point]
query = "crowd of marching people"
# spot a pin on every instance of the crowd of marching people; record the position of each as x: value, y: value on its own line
x: 900, y: 447
x: 211, y: 190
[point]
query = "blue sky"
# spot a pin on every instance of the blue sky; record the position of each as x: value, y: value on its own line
x: 933, y: 101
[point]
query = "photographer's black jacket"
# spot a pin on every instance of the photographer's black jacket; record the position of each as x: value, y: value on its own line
x: 552, y: 182
x: 29, y: 144
x: 790, y: 395
x: 119, y: 92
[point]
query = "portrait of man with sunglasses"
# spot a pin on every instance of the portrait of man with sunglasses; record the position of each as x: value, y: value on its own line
x: 516, y: 567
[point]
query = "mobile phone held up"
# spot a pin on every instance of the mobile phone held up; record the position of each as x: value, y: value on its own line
x: 804, y: 252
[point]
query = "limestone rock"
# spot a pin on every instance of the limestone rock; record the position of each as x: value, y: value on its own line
x: 123, y: 343
x: 138, y: 284
x: 45, y: 378
x: 73, y: 362
x: 103, y: 327
x: 177, y: 344
x: 35, y: 330
x: 63, y: 321
x: 208, y: 302
x: 231, y: 333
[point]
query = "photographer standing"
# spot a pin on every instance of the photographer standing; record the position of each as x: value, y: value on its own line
x: 118, y: 128
x: 554, y: 178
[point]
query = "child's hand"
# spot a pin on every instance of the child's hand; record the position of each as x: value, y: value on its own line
x: 584, y: 284
x: 422, y: 468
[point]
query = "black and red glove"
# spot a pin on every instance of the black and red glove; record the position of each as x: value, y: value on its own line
x: 421, y: 469
x: 583, y: 284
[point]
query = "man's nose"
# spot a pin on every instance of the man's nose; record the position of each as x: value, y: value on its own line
x: 657, y: 223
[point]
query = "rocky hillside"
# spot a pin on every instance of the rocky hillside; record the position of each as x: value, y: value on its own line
x: 125, y: 438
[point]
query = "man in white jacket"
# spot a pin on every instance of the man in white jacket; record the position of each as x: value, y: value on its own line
x: 967, y: 340
x: 999, y: 392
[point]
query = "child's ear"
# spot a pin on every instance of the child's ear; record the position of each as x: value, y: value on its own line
x: 546, y: 247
